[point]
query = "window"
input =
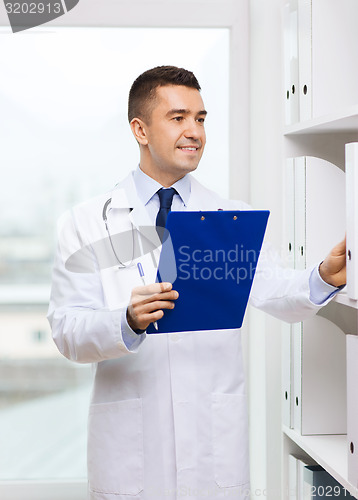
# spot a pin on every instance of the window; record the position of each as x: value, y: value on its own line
x: 65, y: 138
x: 64, y: 129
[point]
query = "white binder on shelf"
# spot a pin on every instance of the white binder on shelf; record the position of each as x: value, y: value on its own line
x: 301, y: 466
x: 290, y: 213
x: 305, y: 58
x: 319, y: 378
x: 334, y: 47
x: 327, y: 45
x: 352, y: 219
x: 300, y: 212
x: 291, y: 62
x: 286, y: 331
x: 292, y: 478
x: 352, y: 408
x: 318, y: 346
x: 296, y: 368
x: 287, y: 375
x: 296, y: 468
x: 319, y: 203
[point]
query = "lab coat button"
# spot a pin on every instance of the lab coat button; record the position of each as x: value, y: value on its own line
x: 174, y: 337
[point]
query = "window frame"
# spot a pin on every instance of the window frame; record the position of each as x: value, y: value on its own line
x: 44, y: 490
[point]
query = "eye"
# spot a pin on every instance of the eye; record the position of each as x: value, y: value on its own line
x: 178, y: 118
x: 201, y: 120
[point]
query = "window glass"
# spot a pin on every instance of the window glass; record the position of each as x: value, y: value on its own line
x: 65, y: 138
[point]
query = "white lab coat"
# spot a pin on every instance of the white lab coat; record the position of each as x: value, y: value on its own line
x: 168, y: 419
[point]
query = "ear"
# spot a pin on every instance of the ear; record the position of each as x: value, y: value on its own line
x: 139, y: 131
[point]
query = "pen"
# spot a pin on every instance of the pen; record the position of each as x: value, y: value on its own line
x: 141, y: 274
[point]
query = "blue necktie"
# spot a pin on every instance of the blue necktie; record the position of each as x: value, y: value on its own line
x: 165, y: 198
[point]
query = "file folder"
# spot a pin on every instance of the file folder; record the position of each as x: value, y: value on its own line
x: 352, y: 219
x: 352, y: 409
x: 334, y: 52
x: 216, y: 255
x: 287, y: 329
x: 287, y: 375
x: 297, y: 354
x: 327, y: 45
x: 315, y: 379
x: 305, y: 58
x: 290, y: 212
x: 318, y: 483
x: 319, y: 389
x: 296, y: 469
x: 313, y: 206
x: 291, y: 63
x: 292, y: 477
x: 300, y: 200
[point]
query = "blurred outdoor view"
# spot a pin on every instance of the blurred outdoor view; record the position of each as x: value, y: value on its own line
x: 64, y: 138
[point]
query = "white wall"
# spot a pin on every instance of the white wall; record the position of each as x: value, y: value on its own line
x: 266, y: 115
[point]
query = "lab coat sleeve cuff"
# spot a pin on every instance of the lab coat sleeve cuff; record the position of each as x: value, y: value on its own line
x: 320, y: 291
x: 131, y: 339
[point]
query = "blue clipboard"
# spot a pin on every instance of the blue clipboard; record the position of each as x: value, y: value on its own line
x: 211, y: 261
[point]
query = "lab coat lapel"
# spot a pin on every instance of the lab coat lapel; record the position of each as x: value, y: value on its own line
x: 124, y: 196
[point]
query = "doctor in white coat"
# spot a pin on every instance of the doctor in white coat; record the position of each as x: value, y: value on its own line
x: 168, y: 415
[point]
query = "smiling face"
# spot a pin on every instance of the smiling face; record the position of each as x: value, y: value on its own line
x: 172, y: 140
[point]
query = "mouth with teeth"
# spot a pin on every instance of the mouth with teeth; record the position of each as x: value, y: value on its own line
x: 188, y: 148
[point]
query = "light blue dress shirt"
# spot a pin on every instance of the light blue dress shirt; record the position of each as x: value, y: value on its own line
x: 147, y: 189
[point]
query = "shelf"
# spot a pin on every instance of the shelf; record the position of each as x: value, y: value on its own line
x: 329, y: 451
x: 343, y: 312
x: 338, y: 122
x: 342, y: 298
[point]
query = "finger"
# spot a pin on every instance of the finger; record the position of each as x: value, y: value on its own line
x: 146, y: 319
x: 142, y: 299
x: 153, y: 288
x: 143, y: 321
x: 153, y: 306
x: 340, y: 248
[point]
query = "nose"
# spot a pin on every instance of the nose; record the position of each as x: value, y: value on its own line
x: 194, y: 130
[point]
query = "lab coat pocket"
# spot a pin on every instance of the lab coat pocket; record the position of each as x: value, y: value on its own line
x: 115, y: 447
x: 230, y: 439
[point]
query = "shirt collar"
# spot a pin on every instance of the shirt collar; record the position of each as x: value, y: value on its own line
x: 148, y: 187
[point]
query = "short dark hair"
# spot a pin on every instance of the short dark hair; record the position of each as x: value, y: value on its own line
x: 143, y: 91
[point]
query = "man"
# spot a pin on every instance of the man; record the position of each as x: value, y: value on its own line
x: 168, y: 416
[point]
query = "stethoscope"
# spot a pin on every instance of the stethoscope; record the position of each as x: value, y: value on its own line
x: 122, y: 265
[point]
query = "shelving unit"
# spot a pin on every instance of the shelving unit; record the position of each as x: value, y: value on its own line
x: 329, y: 451
x: 323, y: 137
x: 346, y: 121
